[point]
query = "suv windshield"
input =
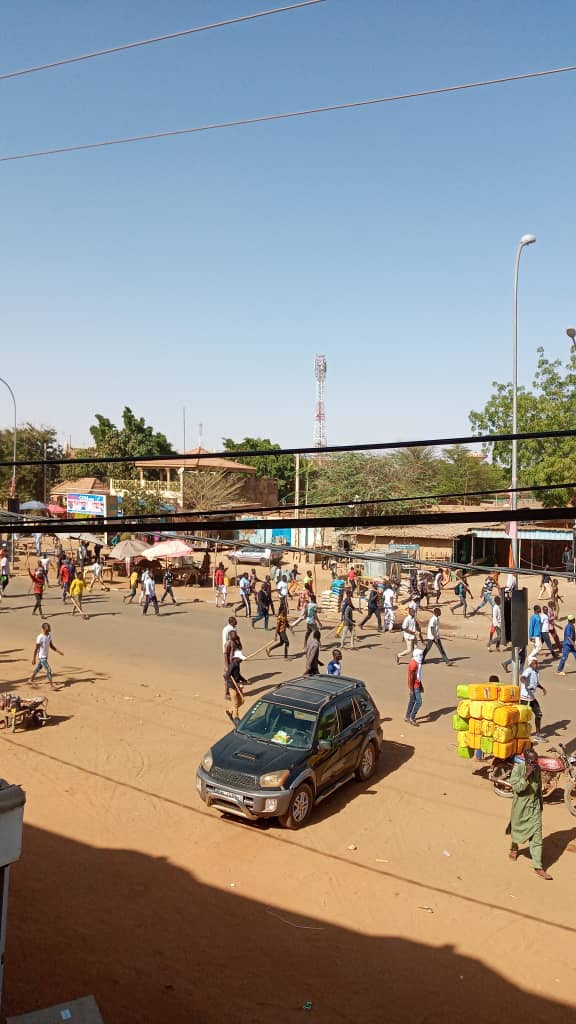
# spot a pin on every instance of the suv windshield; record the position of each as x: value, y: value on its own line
x: 274, y: 723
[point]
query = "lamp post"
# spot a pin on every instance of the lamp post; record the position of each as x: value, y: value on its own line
x: 525, y: 240
x: 13, y: 483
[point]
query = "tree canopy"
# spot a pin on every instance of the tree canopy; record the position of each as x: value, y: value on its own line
x: 133, y: 439
x: 280, y: 467
x: 31, y: 443
x: 550, y: 404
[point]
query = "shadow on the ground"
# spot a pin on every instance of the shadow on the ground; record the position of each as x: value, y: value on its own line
x: 153, y: 944
x: 433, y: 716
x: 557, y: 843
x: 553, y: 728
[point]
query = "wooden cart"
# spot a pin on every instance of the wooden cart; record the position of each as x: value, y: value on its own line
x: 28, y: 712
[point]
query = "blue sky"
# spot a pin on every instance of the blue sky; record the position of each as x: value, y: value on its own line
x: 205, y: 272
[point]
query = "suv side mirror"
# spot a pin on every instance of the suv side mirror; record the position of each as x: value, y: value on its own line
x: 324, y: 745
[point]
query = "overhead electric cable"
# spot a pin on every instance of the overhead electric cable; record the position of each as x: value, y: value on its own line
x: 405, y: 519
x: 262, y: 119
x: 331, y: 449
x: 155, y: 39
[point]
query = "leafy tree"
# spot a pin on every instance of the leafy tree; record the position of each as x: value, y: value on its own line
x: 205, y: 490
x: 137, y: 500
x: 31, y: 443
x: 280, y: 467
x: 549, y: 405
x: 134, y: 439
x: 460, y: 471
x: 352, y: 476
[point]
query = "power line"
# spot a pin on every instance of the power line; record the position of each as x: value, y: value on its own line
x: 155, y: 39
x: 133, y: 523
x: 242, y: 122
x: 333, y: 449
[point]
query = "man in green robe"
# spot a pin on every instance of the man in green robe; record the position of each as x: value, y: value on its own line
x: 526, y: 819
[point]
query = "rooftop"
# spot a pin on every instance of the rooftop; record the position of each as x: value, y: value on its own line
x: 84, y: 485
x: 312, y: 691
x: 211, y: 463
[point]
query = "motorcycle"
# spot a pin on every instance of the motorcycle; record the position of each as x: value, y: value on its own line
x: 554, y: 765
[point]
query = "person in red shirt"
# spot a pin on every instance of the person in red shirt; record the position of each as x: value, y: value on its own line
x: 38, y: 582
x: 351, y: 577
x: 415, y: 687
x: 65, y: 580
x: 220, y: 586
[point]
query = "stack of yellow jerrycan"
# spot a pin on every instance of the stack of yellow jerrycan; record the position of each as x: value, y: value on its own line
x: 489, y: 718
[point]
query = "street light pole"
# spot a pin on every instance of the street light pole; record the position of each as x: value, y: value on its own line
x: 13, y: 483
x: 525, y: 240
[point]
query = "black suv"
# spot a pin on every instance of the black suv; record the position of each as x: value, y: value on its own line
x: 292, y: 749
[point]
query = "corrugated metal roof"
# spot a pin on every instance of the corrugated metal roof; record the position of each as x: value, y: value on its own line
x: 558, y: 534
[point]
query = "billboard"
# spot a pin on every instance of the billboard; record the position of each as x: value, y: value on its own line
x: 86, y: 504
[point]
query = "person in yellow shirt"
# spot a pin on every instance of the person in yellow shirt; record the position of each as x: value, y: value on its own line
x: 76, y: 591
x: 129, y: 597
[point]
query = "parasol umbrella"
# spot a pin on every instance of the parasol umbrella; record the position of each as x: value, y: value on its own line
x: 168, y: 549
x: 55, y: 510
x: 128, y: 549
x: 32, y: 506
x: 88, y: 538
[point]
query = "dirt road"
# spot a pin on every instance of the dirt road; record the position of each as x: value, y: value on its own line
x: 131, y: 889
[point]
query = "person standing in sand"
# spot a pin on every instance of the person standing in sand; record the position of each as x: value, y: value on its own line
x: 44, y: 644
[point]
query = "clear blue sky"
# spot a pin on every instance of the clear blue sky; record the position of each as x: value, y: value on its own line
x: 207, y: 271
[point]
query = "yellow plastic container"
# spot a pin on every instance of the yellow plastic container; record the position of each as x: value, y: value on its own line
x: 487, y: 728
x: 462, y: 739
x: 504, y: 733
x: 463, y: 709
x: 476, y: 709
x: 488, y: 707
x: 482, y: 691
x: 475, y: 726
x: 226, y: 581
x: 509, y: 693
x: 523, y: 730
x: 478, y: 741
x: 524, y: 712
x: 506, y: 715
x: 522, y: 744
x: 470, y: 738
x: 504, y: 750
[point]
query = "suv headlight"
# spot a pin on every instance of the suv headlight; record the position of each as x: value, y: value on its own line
x: 207, y: 761
x: 273, y: 780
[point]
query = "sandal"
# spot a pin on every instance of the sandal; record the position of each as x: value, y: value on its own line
x: 513, y: 854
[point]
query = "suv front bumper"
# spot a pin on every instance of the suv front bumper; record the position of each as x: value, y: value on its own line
x: 251, y: 804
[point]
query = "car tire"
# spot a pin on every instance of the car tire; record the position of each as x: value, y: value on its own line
x: 367, y: 763
x: 300, y: 808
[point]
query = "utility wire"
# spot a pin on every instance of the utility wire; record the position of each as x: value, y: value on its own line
x: 242, y: 122
x: 357, y: 503
x: 196, y: 524
x: 155, y: 39
x: 236, y: 455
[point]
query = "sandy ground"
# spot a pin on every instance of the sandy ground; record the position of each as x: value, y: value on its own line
x: 131, y: 889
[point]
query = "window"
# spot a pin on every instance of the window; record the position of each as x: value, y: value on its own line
x: 327, y: 724
x: 346, y: 709
x: 363, y: 704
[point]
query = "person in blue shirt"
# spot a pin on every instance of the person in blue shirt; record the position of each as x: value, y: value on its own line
x: 568, y: 644
x: 334, y: 667
x: 535, y: 628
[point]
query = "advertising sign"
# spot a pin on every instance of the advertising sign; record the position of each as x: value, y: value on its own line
x: 86, y: 504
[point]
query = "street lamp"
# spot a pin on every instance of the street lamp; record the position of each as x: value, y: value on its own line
x: 13, y: 484
x: 571, y: 332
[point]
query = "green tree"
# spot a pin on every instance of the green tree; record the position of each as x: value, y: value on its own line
x: 137, y: 500
x: 353, y: 476
x: 549, y: 405
x: 280, y: 467
x: 133, y: 439
x: 461, y: 472
x: 31, y: 443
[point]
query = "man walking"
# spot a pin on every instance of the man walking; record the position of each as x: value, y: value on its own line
x: 487, y: 588
x: 348, y: 623
x: 313, y: 654
x: 77, y: 593
x: 150, y: 596
x: 410, y: 630
x: 415, y: 687
x: 433, y: 637
x: 529, y: 684
x: 389, y: 610
x: 263, y: 606
x: 526, y: 818
x: 281, y: 630
x: 244, y: 584
x: 461, y: 589
x: 568, y: 644
x: 168, y: 580
x: 65, y: 578
x: 38, y: 582
x: 44, y: 644
x: 129, y: 597
x: 535, y: 629
x: 373, y: 608
x: 496, y: 627
x: 312, y: 620
x: 220, y: 586
x: 545, y: 631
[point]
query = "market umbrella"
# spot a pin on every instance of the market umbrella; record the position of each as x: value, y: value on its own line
x: 32, y: 506
x: 88, y: 538
x: 168, y: 549
x: 128, y: 549
x: 54, y: 510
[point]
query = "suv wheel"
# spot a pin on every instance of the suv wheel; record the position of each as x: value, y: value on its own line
x: 367, y: 763
x: 300, y: 808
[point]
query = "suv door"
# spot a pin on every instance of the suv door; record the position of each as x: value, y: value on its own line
x: 351, y: 736
x: 327, y: 766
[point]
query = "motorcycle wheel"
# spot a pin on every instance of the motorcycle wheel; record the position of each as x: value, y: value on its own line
x: 500, y: 779
x: 549, y: 784
x: 570, y: 797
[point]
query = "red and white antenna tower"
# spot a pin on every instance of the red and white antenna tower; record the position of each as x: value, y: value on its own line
x: 320, y: 427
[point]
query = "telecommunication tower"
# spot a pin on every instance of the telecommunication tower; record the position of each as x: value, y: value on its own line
x: 320, y: 427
